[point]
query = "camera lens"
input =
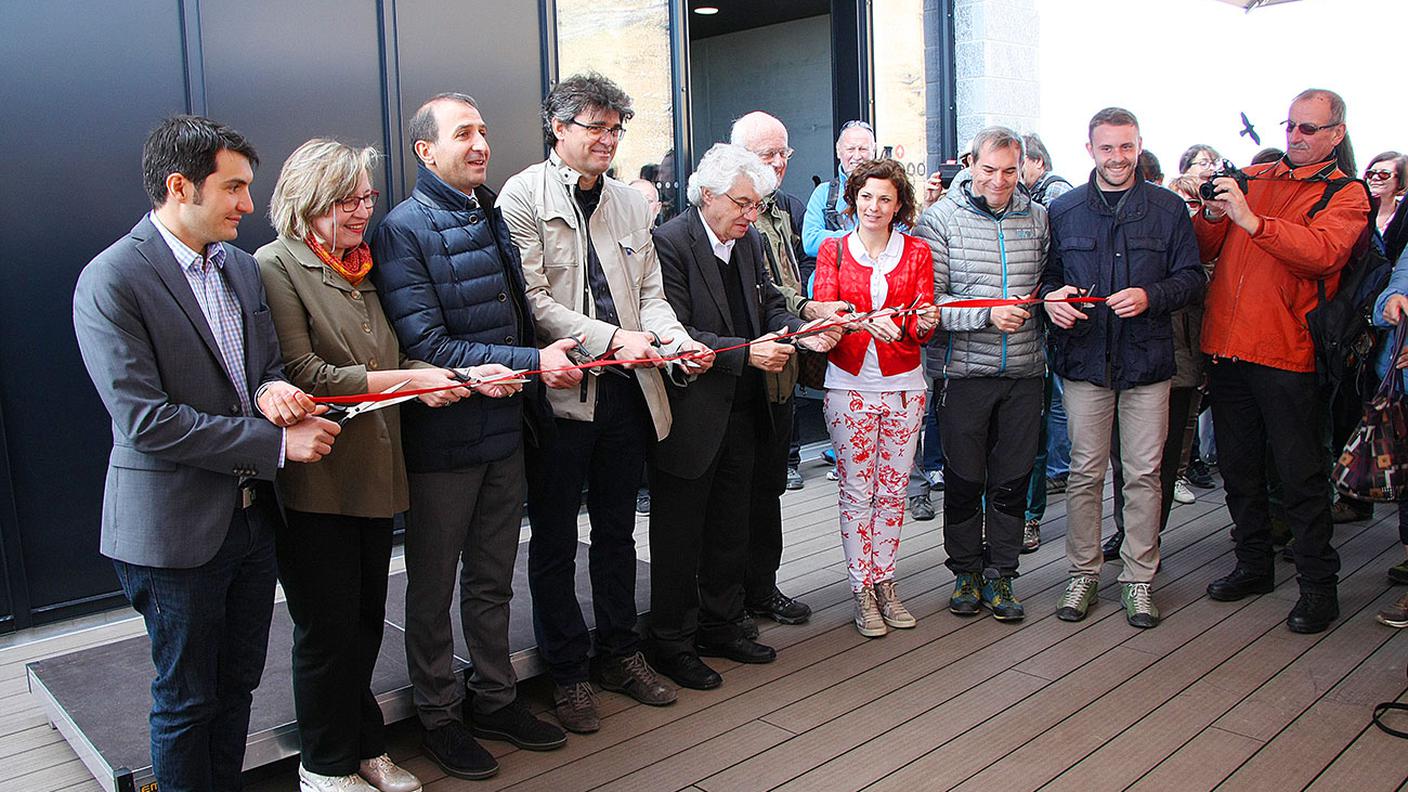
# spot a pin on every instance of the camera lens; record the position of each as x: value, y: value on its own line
x: 1208, y: 191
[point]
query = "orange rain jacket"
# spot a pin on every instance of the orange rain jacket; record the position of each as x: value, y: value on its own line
x: 1265, y: 284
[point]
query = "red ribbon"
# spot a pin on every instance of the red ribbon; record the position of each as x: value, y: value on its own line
x: 882, y: 313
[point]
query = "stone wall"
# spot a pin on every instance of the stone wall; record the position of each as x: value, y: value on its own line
x: 996, y: 65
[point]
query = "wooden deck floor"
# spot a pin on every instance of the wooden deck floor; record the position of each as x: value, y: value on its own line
x: 1220, y: 695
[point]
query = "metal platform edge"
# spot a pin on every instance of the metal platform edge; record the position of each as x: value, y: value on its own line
x: 262, y: 748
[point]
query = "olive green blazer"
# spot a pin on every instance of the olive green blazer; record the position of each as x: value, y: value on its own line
x: 332, y: 333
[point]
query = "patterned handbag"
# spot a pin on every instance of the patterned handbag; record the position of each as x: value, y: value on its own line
x: 1374, y: 464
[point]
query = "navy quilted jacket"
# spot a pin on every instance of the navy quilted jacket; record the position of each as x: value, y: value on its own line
x: 1146, y: 240
x: 452, y: 286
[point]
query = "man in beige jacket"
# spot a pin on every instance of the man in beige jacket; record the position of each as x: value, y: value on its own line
x: 591, y: 272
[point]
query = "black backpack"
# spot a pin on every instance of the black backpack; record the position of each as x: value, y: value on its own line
x: 1342, y: 326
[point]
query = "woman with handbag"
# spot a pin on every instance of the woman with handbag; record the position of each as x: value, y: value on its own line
x: 1391, y: 309
x: 875, y: 387
x: 335, y: 548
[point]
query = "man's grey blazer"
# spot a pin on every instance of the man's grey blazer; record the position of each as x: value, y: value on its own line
x: 180, y: 443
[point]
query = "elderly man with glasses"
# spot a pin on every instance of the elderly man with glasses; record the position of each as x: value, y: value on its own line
x: 788, y: 267
x: 591, y: 274
x: 702, y: 475
x: 1280, y: 247
x: 825, y: 216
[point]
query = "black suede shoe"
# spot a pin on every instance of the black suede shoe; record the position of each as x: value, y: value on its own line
x: 1199, y: 476
x: 458, y: 754
x: 515, y: 724
x: 739, y: 650
x: 1314, y: 612
x: 1243, y: 582
x: 687, y: 670
x: 780, y: 608
x: 1111, y: 549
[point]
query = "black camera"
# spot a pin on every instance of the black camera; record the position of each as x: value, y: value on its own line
x: 1226, y: 168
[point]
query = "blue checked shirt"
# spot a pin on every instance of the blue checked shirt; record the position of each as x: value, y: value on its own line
x: 205, y: 274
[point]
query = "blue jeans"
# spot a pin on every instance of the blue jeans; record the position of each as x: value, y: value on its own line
x: 930, y: 456
x: 209, y: 630
x: 1058, y: 441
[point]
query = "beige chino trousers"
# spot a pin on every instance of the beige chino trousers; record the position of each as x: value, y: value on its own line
x: 1091, y: 412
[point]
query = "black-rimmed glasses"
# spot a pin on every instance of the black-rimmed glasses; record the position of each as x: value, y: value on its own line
x: 744, y: 205
x: 599, y: 131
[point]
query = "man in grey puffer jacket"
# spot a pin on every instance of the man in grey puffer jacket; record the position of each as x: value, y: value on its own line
x: 988, y: 241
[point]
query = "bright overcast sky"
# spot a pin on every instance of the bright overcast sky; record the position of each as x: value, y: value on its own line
x: 1186, y: 68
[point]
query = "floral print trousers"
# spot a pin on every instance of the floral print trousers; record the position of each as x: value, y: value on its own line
x: 874, y: 434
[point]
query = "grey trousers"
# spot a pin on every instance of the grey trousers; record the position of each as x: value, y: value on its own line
x: 470, y: 516
x: 1143, y: 417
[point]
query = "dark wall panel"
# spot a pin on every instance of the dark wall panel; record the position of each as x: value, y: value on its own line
x: 483, y: 49
x: 81, y: 83
x: 283, y: 73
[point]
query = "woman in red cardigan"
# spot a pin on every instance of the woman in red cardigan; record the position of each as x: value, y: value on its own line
x: 875, y: 388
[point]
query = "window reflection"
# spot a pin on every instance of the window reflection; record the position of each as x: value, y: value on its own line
x: 629, y: 42
x: 898, y: 30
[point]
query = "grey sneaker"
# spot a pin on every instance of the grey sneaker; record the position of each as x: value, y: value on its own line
x: 794, y: 479
x: 1080, y: 593
x: 921, y: 509
x: 576, y: 707
x: 891, y: 609
x: 869, y: 622
x: 1139, y: 608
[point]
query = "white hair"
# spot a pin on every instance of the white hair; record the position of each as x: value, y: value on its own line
x: 721, y: 166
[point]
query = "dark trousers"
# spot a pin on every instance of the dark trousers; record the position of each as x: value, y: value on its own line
x: 699, y: 543
x: 765, y: 514
x: 209, y: 631
x: 989, y: 426
x: 464, y: 521
x: 602, y: 453
x: 1252, y: 406
x: 333, y: 569
x: 1180, y: 404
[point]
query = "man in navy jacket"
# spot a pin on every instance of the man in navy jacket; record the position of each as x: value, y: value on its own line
x: 1132, y: 243
x: 452, y: 286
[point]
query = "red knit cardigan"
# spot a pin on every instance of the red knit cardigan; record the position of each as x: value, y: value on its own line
x: 912, y: 278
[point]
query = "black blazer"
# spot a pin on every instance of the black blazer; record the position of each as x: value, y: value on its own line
x: 694, y: 287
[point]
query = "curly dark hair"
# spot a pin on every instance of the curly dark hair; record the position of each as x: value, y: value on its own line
x: 891, y: 171
x: 573, y: 95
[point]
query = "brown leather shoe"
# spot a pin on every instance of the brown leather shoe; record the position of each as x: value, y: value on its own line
x: 1395, y: 615
x: 634, y: 677
x: 576, y: 708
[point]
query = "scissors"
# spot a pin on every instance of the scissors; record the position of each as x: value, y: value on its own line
x: 347, y: 412
x: 517, y: 378
x: 580, y: 355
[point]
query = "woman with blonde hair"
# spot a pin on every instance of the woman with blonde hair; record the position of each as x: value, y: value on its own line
x: 335, y: 550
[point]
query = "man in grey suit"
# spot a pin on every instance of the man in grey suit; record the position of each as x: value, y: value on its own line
x: 180, y: 345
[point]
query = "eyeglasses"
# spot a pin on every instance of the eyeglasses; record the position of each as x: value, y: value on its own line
x: 1378, y: 175
x: 350, y: 205
x: 745, y: 206
x: 1203, y: 163
x: 772, y: 154
x: 1306, y: 129
x: 599, y: 131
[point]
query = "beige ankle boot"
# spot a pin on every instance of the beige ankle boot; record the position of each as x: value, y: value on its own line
x: 869, y: 622
x: 891, y: 609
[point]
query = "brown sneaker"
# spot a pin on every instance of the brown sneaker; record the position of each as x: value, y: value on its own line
x: 869, y: 622
x: 1031, y: 536
x: 1395, y: 615
x: 634, y: 677
x: 891, y: 609
x: 576, y: 707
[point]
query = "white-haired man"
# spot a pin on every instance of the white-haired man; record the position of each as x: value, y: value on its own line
x: 701, y: 475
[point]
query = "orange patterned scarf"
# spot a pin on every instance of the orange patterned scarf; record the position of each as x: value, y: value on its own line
x: 353, y: 266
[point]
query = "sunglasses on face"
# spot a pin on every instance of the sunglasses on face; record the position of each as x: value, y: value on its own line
x: 1305, y: 128
x: 1378, y: 175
